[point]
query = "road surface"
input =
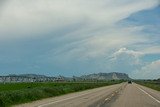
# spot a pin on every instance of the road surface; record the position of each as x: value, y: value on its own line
x: 137, y: 96
x: 120, y: 95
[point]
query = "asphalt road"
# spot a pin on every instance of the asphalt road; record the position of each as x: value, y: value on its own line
x: 136, y: 96
x: 120, y: 95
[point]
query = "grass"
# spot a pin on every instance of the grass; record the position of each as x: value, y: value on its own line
x: 17, y: 93
x: 150, y: 83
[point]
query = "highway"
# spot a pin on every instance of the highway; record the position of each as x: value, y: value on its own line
x: 119, y: 95
x: 137, y: 96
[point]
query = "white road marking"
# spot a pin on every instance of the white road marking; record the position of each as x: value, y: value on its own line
x: 149, y: 95
x: 61, y: 100
x: 106, y: 99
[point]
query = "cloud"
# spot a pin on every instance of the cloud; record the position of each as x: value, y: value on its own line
x: 132, y: 63
x: 88, y: 27
x: 125, y: 60
x: 66, y: 36
x: 97, y: 43
x: 149, y: 71
x: 133, y: 53
x: 152, y: 50
x: 31, y: 18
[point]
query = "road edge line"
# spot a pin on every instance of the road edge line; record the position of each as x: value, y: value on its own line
x: 148, y: 94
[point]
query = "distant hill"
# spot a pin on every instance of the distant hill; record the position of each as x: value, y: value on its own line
x: 28, y: 75
x: 43, y: 78
x: 32, y: 75
x: 106, y: 76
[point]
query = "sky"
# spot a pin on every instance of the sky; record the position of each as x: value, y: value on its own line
x: 79, y: 37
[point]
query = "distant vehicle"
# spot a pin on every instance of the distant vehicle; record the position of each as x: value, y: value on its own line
x: 129, y: 82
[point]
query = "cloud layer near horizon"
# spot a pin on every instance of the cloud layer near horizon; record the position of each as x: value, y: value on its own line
x: 74, y: 37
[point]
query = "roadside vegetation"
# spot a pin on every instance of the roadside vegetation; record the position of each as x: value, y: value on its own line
x: 17, y: 93
x: 154, y: 84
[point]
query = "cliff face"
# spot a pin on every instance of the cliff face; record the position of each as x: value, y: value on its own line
x: 107, y: 76
x: 43, y: 78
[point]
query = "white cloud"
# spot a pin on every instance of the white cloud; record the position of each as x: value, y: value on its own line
x: 21, y: 18
x: 93, y: 26
x: 124, y: 60
x: 75, y: 30
x: 149, y: 71
x: 100, y: 42
x: 129, y: 52
x: 152, y: 50
x: 127, y: 56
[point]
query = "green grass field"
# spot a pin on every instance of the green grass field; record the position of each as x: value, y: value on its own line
x: 17, y: 93
x: 151, y: 84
